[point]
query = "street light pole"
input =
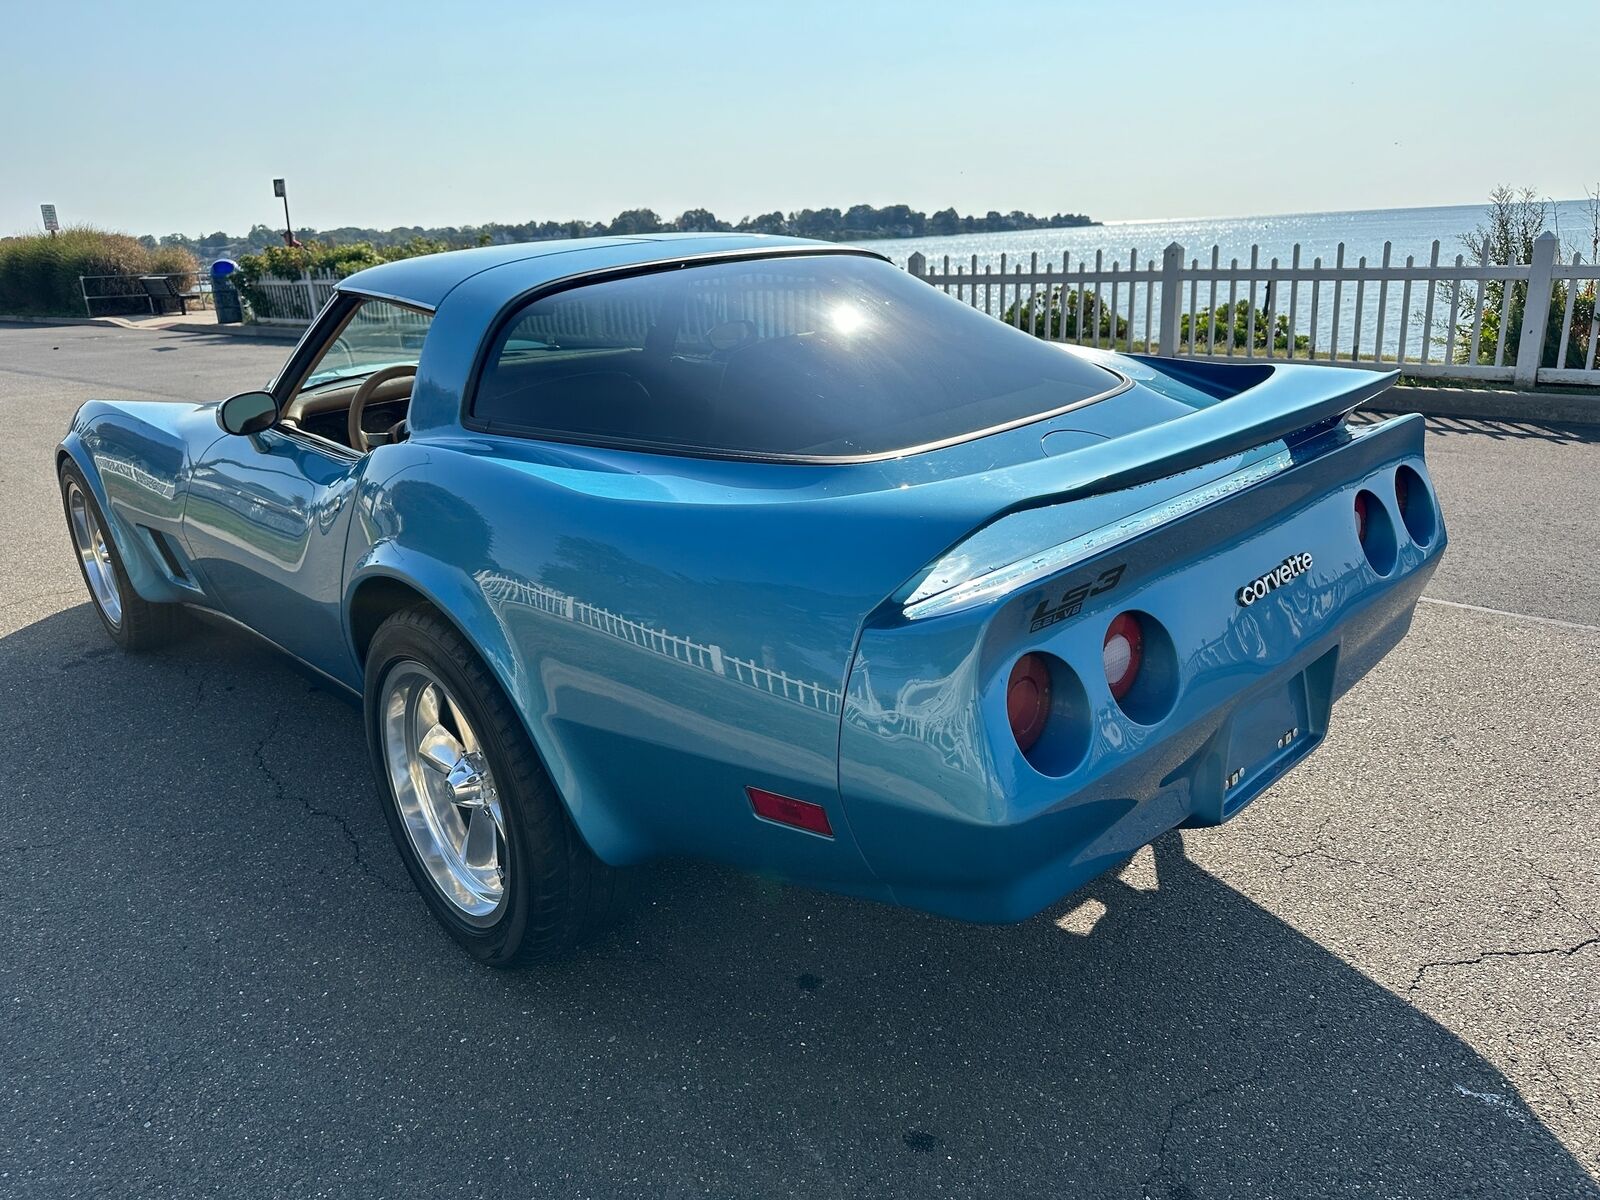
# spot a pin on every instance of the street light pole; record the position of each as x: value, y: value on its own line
x: 278, y: 189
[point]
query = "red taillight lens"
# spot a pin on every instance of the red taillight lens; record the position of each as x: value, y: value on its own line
x: 1124, y: 651
x: 1361, y: 516
x: 1415, y: 502
x: 799, y: 814
x: 1028, y: 700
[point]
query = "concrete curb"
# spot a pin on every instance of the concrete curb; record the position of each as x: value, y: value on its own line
x: 1556, y: 408
x: 103, y: 322
x: 278, y: 333
x: 272, y: 333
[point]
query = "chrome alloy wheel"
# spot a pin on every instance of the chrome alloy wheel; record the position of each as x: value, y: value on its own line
x: 90, y: 541
x: 445, y: 791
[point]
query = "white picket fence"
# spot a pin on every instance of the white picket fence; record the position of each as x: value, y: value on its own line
x: 1428, y: 318
x: 1438, y: 319
x: 291, y: 301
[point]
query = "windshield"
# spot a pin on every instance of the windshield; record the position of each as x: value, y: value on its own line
x: 814, y: 356
x: 379, y: 334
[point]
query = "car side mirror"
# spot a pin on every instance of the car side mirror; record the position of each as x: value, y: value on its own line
x: 248, y: 412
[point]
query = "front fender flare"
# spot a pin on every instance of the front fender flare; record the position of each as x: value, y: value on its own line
x: 149, y: 580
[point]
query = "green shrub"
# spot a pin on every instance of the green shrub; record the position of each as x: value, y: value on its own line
x: 1583, y: 302
x: 1515, y: 219
x: 1220, y: 327
x: 39, y: 273
x: 175, y: 260
x: 318, y: 258
x: 1054, y: 314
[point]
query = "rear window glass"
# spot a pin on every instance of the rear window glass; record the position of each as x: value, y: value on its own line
x: 829, y: 356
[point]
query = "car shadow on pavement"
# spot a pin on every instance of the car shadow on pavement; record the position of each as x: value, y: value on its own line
x: 1499, y: 429
x: 259, y: 954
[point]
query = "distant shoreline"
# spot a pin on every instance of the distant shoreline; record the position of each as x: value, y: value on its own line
x: 858, y: 223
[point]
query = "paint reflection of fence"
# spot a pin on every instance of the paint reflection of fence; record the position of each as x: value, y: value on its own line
x: 812, y: 695
x: 508, y: 590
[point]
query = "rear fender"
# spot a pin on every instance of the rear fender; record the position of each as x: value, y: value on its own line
x: 651, y: 720
x: 459, y: 597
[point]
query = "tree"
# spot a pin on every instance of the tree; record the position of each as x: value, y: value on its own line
x: 860, y: 218
x: 859, y: 221
x: 900, y: 220
x: 636, y: 220
x: 1515, y: 219
x: 772, y: 222
x: 699, y: 220
x: 817, y: 223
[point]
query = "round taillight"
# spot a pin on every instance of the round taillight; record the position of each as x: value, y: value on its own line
x: 1411, y: 496
x: 1028, y: 700
x: 1123, y: 652
x: 1361, y: 516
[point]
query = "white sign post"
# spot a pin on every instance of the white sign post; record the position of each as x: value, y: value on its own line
x: 48, y: 211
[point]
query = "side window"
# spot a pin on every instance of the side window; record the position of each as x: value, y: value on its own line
x: 642, y: 359
x: 378, y: 334
x: 575, y: 362
x: 377, y: 341
x: 811, y: 356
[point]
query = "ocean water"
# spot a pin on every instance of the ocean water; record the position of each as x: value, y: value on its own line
x: 1409, y: 231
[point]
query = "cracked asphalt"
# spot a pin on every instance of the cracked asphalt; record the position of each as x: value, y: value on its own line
x: 1382, y: 979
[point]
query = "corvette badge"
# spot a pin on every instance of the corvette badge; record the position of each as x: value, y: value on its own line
x: 1290, y: 568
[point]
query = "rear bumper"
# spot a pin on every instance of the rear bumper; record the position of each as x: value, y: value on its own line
x: 951, y: 818
x: 1015, y: 865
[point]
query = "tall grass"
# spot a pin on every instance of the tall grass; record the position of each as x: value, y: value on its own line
x: 39, y: 273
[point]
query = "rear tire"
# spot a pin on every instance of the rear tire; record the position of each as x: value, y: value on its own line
x: 133, y: 622
x: 459, y: 775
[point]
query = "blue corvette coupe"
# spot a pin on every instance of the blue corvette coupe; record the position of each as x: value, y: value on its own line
x: 764, y: 551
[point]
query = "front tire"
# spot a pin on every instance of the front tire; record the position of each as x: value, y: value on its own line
x: 133, y: 622
x: 471, y: 809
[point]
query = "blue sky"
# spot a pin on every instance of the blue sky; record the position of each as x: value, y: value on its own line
x: 407, y: 113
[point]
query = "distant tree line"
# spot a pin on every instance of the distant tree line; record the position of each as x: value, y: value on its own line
x: 861, y: 222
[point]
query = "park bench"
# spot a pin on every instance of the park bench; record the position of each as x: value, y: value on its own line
x: 164, y: 294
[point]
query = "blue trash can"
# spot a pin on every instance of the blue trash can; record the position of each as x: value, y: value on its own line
x: 224, y: 295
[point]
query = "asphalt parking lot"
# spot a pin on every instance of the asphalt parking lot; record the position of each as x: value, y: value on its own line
x: 1382, y: 979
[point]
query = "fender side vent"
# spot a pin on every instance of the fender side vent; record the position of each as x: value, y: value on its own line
x: 169, y: 554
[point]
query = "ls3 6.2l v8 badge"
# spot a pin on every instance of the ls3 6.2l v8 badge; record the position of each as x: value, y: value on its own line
x: 1290, y: 568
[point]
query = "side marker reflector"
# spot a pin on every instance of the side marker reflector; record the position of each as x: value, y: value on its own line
x: 797, y: 814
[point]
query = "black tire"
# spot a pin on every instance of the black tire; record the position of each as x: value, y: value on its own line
x: 556, y: 891
x: 140, y: 624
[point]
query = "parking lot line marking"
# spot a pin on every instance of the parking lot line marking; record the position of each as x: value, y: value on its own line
x: 1500, y: 612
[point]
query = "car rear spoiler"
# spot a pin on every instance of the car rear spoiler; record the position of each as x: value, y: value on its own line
x: 1255, y: 406
x: 1291, y: 402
